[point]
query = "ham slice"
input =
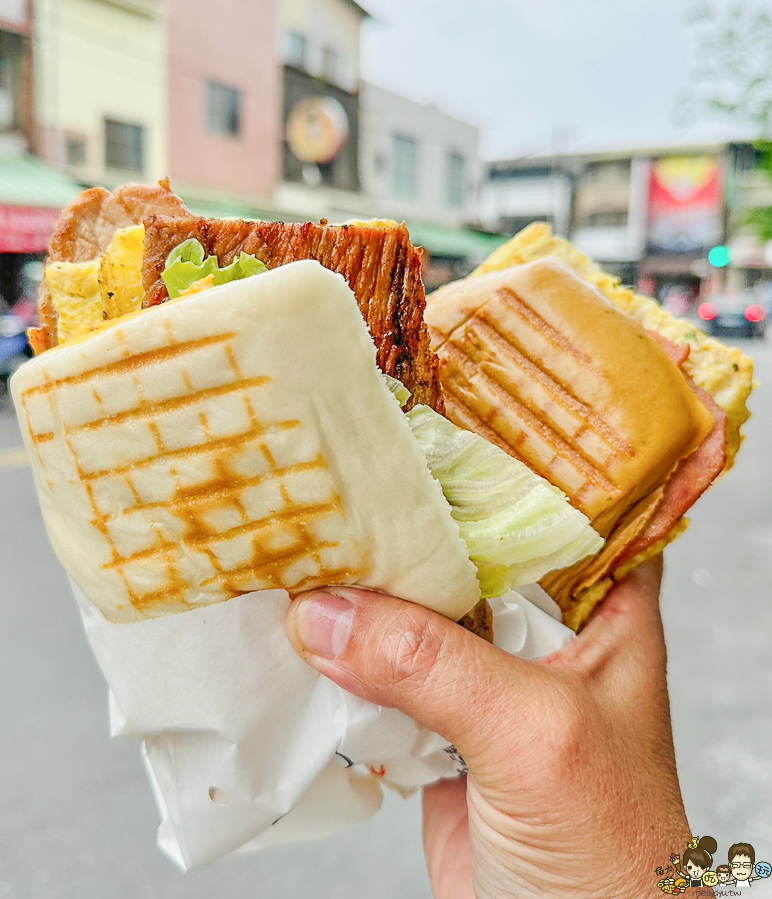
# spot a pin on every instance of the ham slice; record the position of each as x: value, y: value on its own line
x: 654, y: 517
x: 677, y: 352
x: 689, y: 481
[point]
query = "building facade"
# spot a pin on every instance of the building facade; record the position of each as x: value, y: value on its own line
x: 101, y: 99
x: 418, y: 163
x: 514, y: 193
x: 319, y: 42
x: 16, y: 124
x: 748, y: 188
x: 650, y: 216
x: 608, y: 218
x: 224, y: 100
x: 322, y: 38
x: 31, y: 193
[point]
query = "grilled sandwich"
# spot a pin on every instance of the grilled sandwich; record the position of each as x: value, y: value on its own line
x: 629, y: 411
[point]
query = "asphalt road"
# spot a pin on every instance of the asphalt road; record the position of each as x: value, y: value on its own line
x: 77, y: 820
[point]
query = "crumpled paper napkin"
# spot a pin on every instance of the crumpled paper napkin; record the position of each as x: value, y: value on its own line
x: 246, y: 745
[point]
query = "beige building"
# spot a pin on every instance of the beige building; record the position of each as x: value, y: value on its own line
x: 101, y: 88
x: 323, y: 38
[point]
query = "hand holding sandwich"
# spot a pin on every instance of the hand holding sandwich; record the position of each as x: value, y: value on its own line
x: 547, y: 426
x: 572, y: 786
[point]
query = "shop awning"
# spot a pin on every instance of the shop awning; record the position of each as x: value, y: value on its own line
x: 455, y: 243
x: 228, y: 208
x: 225, y: 208
x: 32, y: 195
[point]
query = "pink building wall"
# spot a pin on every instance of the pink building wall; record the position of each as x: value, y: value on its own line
x: 232, y: 42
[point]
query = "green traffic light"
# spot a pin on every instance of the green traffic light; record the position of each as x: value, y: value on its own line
x: 719, y: 257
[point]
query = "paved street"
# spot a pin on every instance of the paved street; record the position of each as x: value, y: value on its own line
x: 77, y: 819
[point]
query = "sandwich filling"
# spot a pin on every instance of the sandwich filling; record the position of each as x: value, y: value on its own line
x: 538, y: 361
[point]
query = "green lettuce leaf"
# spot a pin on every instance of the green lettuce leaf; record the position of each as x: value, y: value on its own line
x: 399, y: 390
x: 189, y: 263
x: 516, y: 524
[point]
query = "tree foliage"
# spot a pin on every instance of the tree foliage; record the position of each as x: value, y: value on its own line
x: 733, y: 77
x: 733, y: 69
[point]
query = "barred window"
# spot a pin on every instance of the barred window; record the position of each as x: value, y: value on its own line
x: 404, y: 166
x: 456, y: 192
x: 124, y: 145
x: 223, y: 109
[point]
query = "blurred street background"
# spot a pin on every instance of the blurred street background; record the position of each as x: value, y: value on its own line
x: 643, y: 135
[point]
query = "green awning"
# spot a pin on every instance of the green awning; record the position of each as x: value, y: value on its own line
x: 224, y: 209
x: 28, y: 181
x: 455, y: 243
x: 227, y: 208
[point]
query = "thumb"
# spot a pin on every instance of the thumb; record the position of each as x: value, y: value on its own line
x: 398, y: 654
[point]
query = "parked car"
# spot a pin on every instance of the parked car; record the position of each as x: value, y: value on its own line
x: 14, y: 347
x: 736, y: 315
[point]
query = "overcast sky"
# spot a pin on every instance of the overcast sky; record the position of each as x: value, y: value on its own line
x: 544, y: 75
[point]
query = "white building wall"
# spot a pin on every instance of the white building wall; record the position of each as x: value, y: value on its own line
x: 540, y: 197
x: 385, y: 114
x: 14, y: 11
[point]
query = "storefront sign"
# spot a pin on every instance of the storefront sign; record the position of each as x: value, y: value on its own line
x: 317, y: 129
x: 684, y: 204
x: 26, y: 229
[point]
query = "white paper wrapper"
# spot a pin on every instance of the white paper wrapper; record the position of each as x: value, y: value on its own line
x: 246, y: 745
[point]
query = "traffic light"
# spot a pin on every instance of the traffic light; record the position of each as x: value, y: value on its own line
x: 719, y: 257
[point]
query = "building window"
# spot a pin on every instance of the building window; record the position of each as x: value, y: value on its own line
x: 512, y: 224
x: 223, y: 109
x: 124, y: 145
x: 331, y: 64
x: 607, y: 218
x: 295, y: 49
x: 502, y: 171
x: 404, y: 165
x: 747, y: 158
x: 456, y: 180
x: 608, y: 170
x: 11, y: 62
x: 74, y: 150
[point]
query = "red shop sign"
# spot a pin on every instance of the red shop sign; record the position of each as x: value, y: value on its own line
x: 26, y: 229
